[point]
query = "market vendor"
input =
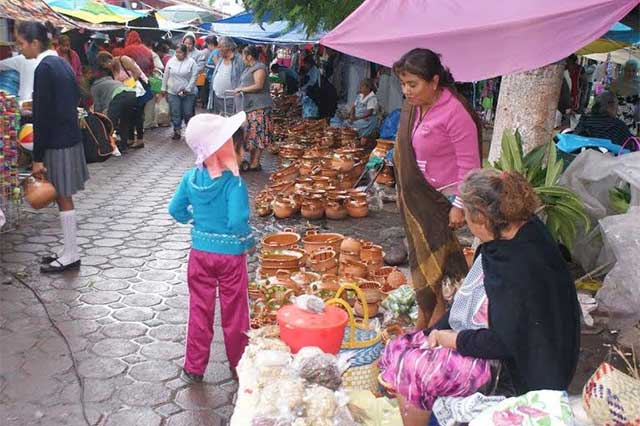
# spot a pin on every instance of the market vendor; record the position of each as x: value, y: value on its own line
x: 287, y: 76
x: 438, y: 143
x: 517, y: 306
x: 603, y: 122
x: 363, y: 113
x: 627, y: 88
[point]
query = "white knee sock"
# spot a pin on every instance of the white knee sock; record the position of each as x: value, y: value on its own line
x: 69, y: 231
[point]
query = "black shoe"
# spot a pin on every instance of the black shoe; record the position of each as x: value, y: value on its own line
x: 191, y: 378
x: 176, y: 135
x: 47, y: 269
x: 48, y: 259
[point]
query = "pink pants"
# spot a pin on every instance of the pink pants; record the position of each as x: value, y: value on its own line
x: 208, y: 272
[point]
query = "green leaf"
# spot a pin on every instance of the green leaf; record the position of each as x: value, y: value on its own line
x: 553, y: 174
x: 544, y: 421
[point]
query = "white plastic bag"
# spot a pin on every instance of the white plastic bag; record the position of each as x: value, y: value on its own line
x: 620, y: 293
x: 162, y: 112
x: 591, y: 175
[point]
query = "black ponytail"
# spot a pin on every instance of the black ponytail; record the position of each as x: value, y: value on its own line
x: 43, y: 33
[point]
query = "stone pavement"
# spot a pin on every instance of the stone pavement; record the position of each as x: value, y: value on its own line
x: 124, y: 314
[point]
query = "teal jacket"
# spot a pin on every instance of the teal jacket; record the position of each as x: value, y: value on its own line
x: 218, y: 209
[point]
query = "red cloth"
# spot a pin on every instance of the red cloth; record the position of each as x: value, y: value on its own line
x: 75, y: 63
x: 140, y: 53
x: 206, y: 273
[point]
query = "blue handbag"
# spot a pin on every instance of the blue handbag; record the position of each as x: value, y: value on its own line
x: 570, y: 143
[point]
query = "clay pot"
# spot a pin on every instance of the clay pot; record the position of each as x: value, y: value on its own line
x: 357, y: 195
x: 387, y: 177
x: 313, y: 241
x: 345, y: 183
x: 303, y: 184
x: 383, y: 146
x: 288, y: 174
x: 396, y: 279
x: 350, y: 245
x: 349, y: 257
x: 342, y: 163
x: 335, y: 210
x: 282, y: 240
x: 282, y: 187
x: 312, y: 207
x: 321, y: 182
x: 304, y: 279
x: 38, y: 191
x: 326, y: 288
x: 353, y: 269
x: 357, y: 209
x: 285, y: 259
x: 266, y: 272
x: 330, y: 173
x: 382, y: 274
x: 371, y: 252
x: 324, y: 261
x: 283, y: 207
x: 374, y: 266
x: 371, y: 291
x: 372, y: 309
x: 337, y: 195
x: 283, y: 278
x: 263, y: 210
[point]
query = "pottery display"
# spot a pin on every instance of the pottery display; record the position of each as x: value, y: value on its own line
x: 283, y: 207
x: 370, y: 251
x: 323, y: 261
x: 312, y: 206
x: 351, y: 245
x: 336, y: 210
x: 313, y: 240
x: 396, y: 279
x: 280, y: 241
x: 372, y: 309
x: 357, y: 209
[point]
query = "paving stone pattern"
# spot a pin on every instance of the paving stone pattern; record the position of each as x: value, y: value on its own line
x: 124, y: 313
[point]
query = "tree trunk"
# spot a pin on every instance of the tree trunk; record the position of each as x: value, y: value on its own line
x: 528, y: 102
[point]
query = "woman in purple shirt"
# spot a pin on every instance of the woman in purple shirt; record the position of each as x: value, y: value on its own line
x: 437, y: 145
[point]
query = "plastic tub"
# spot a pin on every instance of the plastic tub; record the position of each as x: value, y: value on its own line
x: 300, y: 328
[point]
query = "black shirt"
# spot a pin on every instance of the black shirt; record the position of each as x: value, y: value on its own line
x: 56, y: 96
x: 605, y: 127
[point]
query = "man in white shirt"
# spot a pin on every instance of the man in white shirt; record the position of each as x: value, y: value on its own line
x: 226, y: 78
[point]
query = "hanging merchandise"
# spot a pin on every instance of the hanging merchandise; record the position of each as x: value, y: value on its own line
x: 9, y: 183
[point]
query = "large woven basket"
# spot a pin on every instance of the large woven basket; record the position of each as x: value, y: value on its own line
x: 363, y: 345
x: 612, y: 398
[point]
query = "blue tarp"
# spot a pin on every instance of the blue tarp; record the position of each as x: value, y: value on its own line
x: 241, y: 27
x: 623, y: 33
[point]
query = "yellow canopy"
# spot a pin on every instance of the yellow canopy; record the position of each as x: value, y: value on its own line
x: 602, y: 45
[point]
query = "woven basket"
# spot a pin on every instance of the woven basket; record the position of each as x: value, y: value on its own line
x: 611, y: 397
x: 363, y: 345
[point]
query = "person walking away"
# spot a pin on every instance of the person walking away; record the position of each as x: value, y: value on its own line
x: 113, y: 98
x: 179, y: 84
x: 127, y: 71
x: 226, y: 78
x: 214, y: 198
x: 64, y: 51
x: 97, y: 44
x: 437, y: 145
x: 255, y: 87
x: 288, y: 77
x: 213, y: 56
x: 57, y: 141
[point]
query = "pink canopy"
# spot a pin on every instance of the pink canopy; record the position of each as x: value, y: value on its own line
x: 478, y: 39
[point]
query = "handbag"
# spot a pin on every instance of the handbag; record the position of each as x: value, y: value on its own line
x: 143, y: 92
x: 630, y: 139
x: 155, y: 82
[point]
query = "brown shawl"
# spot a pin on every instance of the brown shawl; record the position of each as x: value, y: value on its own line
x: 434, y: 250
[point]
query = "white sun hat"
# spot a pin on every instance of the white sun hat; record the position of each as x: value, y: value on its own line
x: 207, y: 133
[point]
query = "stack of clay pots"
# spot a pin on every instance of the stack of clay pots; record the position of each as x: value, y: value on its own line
x: 386, y: 177
x: 317, y: 184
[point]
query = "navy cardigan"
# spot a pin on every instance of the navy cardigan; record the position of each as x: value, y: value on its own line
x: 56, y: 96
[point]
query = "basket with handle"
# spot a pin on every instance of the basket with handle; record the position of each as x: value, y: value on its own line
x: 362, y: 344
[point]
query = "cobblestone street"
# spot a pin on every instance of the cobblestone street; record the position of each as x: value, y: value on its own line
x: 125, y: 312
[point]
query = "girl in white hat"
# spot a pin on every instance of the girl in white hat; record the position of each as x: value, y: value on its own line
x: 214, y: 198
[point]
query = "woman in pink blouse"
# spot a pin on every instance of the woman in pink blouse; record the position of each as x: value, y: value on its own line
x: 437, y: 145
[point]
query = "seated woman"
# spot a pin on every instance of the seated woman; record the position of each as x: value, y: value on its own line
x: 603, y: 122
x: 363, y: 112
x: 517, y: 305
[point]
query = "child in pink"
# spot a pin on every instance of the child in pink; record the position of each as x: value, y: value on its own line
x: 214, y: 198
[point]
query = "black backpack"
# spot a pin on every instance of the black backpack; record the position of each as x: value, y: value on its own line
x: 96, y: 137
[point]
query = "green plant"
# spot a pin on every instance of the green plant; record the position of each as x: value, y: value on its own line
x: 563, y: 210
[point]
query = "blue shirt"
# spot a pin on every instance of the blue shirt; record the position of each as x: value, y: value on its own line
x: 210, y: 62
x: 218, y: 209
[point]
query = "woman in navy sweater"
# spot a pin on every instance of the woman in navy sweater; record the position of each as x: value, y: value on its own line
x: 57, y: 141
